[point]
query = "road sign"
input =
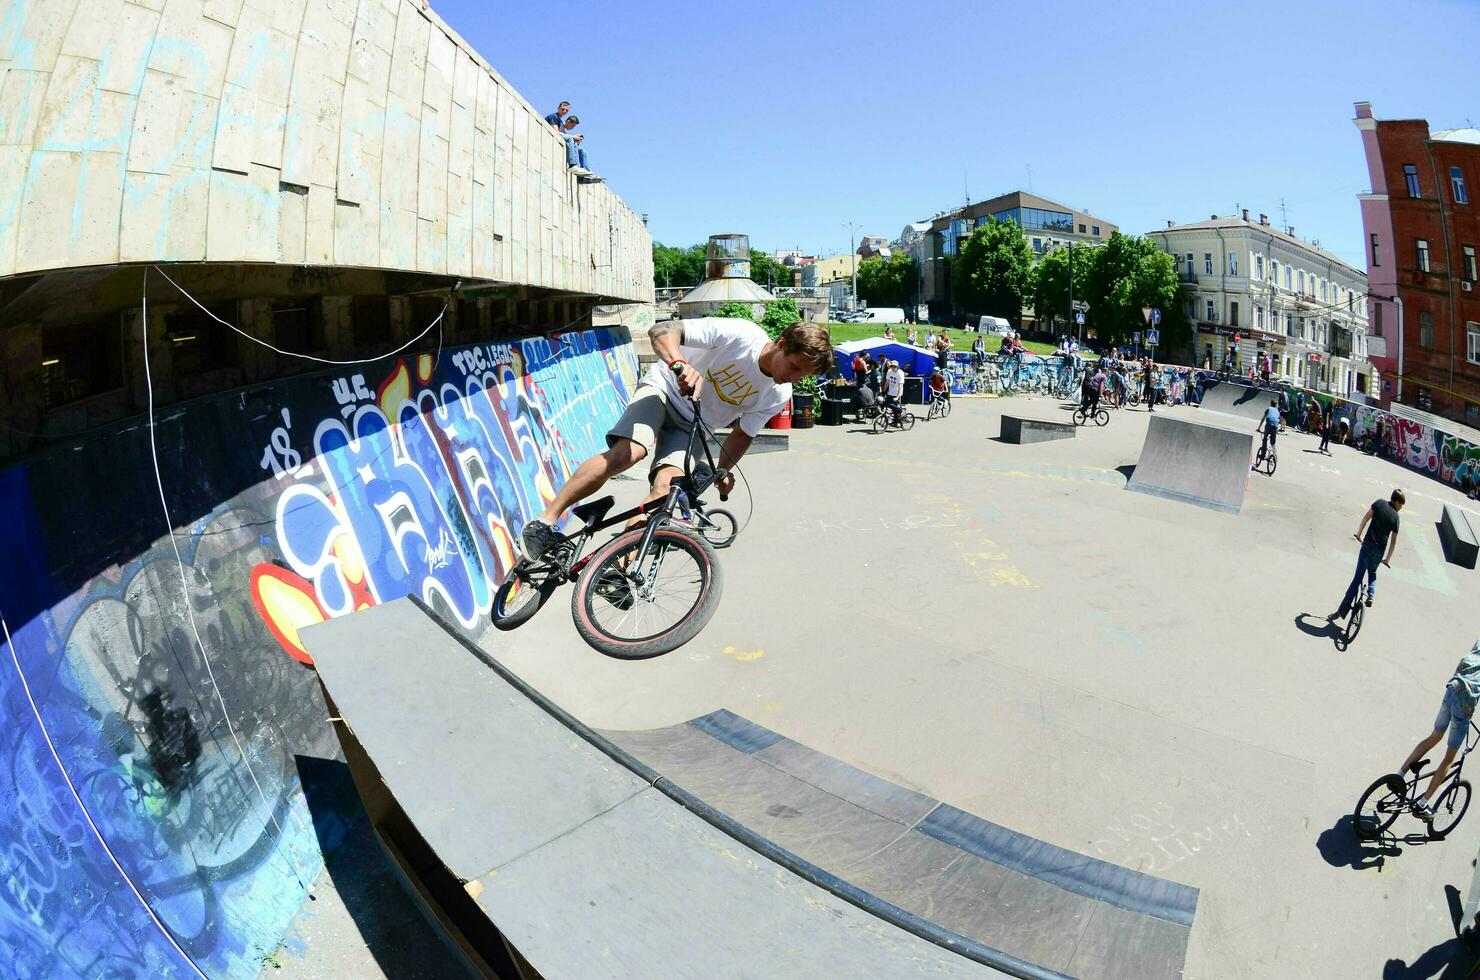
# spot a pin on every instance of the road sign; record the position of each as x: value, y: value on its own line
x: 1155, y: 316
x: 1153, y: 337
x: 1146, y: 313
x: 1079, y: 305
x: 1136, y: 337
x: 1079, y: 319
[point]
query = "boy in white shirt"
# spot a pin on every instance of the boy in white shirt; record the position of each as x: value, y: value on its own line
x: 734, y: 371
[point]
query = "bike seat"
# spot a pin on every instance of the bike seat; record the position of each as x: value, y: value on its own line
x: 594, y: 511
x: 1418, y: 766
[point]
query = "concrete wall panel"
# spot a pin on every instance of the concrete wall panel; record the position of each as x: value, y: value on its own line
x: 139, y: 130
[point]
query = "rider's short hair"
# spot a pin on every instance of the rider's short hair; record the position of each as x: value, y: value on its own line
x: 811, y: 341
x: 1397, y: 499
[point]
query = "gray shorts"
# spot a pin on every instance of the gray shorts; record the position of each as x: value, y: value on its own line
x: 1451, y: 718
x: 654, y: 425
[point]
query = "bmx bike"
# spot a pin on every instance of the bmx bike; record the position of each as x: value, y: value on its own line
x: 648, y: 590
x: 1395, y: 794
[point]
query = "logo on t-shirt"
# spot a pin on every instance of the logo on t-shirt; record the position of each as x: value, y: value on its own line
x: 731, y: 385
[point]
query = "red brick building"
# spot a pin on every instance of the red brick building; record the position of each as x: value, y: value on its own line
x: 1421, y: 224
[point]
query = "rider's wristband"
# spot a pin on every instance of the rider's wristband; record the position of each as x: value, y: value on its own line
x: 678, y: 365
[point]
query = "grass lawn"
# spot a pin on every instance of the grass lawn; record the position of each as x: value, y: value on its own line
x: 861, y: 331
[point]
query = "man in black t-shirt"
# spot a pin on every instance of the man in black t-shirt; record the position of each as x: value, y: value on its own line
x: 1381, y: 526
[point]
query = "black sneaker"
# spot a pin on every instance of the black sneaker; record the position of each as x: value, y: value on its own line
x: 612, y: 586
x: 1369, y: 600
x: 1423, y: 811
x: 536, y: 539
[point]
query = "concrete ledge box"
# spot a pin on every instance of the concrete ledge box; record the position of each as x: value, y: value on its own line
x: 1460, y: 543
x: 1022, y: 431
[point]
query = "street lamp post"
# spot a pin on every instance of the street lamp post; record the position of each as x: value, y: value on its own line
x: 853, y: 250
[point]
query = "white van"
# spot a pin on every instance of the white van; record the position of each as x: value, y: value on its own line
x: 994, y: 324
x: 885, y: 314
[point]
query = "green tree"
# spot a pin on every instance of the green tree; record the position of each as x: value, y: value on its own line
x: 1130, y: 273
x: 990, y: 272
x: 766, y: 271
x: 887, y: 282
x: 677, y: 266
x: 780, y: 314
x: 1048, y: 285
x: 736, y: 309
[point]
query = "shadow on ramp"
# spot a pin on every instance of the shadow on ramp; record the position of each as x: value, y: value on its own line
x: 1340, y: 847
x: 387, y: 923
x: 1128, y: 471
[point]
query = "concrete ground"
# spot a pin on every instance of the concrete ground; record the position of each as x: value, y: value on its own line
x: 1008, y: 629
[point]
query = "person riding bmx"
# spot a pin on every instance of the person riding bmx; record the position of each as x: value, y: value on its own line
x: 1381, y: 526
x: 738, y: 376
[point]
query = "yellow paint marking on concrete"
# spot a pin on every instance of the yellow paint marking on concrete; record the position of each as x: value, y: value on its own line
x: 772, y: 708
x: 474, y: 888
x: 1008, y: 576
x: 744, y: 655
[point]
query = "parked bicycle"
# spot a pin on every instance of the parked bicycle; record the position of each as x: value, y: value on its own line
x: 1395, y: 794
x: 648, y: 590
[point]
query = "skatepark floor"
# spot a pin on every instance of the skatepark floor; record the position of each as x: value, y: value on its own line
x: 1006, y: 629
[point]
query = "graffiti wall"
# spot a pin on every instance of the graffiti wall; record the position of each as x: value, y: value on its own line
x: 1420, y: 447
x: 154, y: 820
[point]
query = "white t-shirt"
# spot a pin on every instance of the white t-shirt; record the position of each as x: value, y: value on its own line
x: 895, y: 382
x: 726, y: 351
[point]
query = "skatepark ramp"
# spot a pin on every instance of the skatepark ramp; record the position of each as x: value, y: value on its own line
x: 1195, y: 463
x: 1232, y: 398
x: 711, y: 848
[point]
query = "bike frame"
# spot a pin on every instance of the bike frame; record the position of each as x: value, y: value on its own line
x: 1472, y: 738
x: 682, y: 493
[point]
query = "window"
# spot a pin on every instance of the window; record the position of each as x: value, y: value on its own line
x: 1190, y: 270
x: 1232, y: 313
x: 1425, y: 329
x: 1300, y: 281
x: 297, y: 328
x: 1410, y: 177
x: 1212, y: 313
x: 1259, y: 266
x: 199, y: 343
x: 1207, y: 263
x: 1423, y: 254
x: 1038, y: 245
x: 1233, y: 263
x: 1258, y: 316
x: 1457, y: 184
x: 81, y: 360
x: 1081, y: 229
x: 1470, y: 263
x: 1374, y: 250
x: 1289, y: 278
x: 1377, y: 319
x: 1472, y: 332
x: 1095, y: 230
x: 372, y: 321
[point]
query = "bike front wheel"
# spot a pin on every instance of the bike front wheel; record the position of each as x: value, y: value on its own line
x: 1102, y: 417
x: 1450, y: 807
x: 907, y: 422
x: 521, y: 595
x: 678, y: 593
x: 1379, y: 806
x: 945, y: 408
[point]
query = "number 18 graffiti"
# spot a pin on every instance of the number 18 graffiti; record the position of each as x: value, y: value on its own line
x: 280, y: 456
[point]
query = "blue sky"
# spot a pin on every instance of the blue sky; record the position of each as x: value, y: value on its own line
x: 787, y: 120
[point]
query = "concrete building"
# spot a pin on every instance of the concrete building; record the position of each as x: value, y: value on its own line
x: 1421, y: 234
x: 872, y: 245
x: 834, y: 273
x: 1046, y: 225
x: 362, y: 358
x: 1280, y: 294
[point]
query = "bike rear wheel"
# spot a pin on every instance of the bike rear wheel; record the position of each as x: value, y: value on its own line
x: 522, y: 594
x: 1450, y: 807
x: 1270, y: 462
x: 1378, y: 807
x: 1080, y: 416
x: 719, y: 527
x: 680, y: 592
x: 1354, y: 619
